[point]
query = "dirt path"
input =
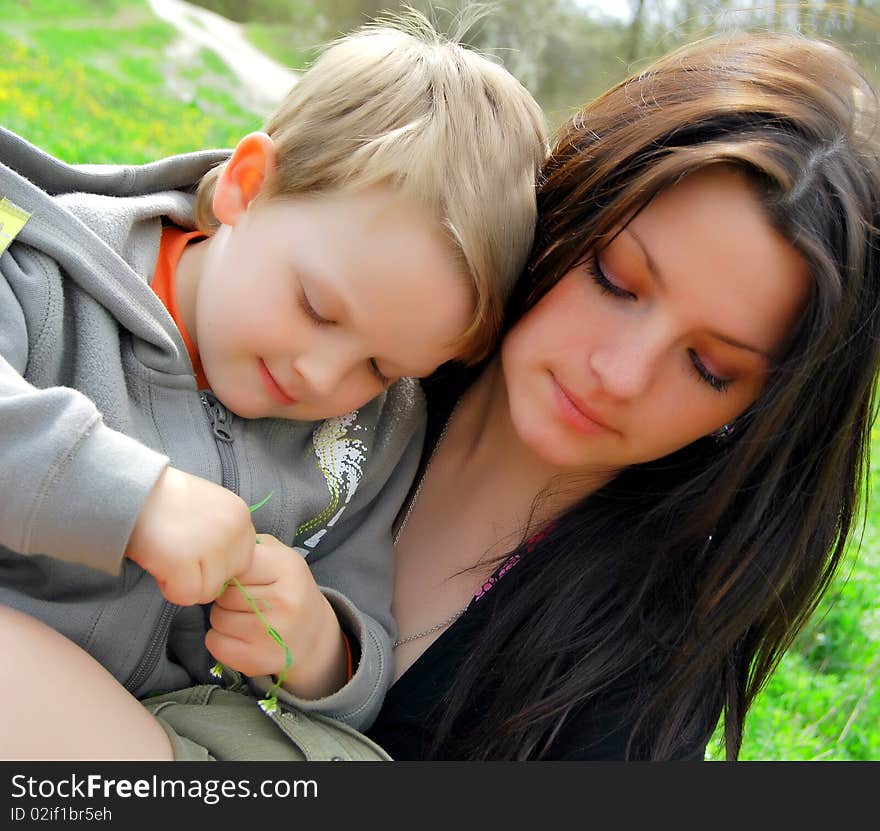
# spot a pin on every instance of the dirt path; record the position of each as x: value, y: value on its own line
x: 266, y: 81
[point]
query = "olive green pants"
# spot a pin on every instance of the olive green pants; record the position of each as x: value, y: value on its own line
x: 210, y: 723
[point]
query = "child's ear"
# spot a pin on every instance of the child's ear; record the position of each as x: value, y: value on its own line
x: 249, y: 168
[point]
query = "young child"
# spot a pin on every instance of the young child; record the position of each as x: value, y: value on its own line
x: 168, y: 360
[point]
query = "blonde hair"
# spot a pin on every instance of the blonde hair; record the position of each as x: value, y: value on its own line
x: 397, y: 101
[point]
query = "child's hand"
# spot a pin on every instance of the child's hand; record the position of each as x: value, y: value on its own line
x: 281, y: 585
x: 192, y: 536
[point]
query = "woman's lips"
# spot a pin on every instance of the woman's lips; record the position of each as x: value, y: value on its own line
x: 272, y: 386
x: 577, y: 414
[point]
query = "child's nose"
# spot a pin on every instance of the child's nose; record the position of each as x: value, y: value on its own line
x: 324, y: 373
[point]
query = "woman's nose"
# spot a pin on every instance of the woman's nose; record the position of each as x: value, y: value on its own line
x: 627, y: 365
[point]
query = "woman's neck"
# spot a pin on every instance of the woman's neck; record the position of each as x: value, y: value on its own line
x: 479, y: 498
x: 485, y: 450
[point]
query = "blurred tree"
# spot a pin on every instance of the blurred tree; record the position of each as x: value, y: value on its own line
x: 563, y: 50
x: 635, y: 30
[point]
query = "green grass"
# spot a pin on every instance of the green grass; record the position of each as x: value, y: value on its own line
x: 88, y: 82
x: 27, y: 10
x: 823, y: 703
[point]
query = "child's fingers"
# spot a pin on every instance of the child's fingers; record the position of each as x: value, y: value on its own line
x: 236, y: 642
x: 272, y: 561
x: 243, y: 626
x: 235, y: 600
x: 184, y: 587
x: 233, y: 653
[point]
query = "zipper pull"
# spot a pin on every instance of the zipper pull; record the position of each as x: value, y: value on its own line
x: 221, y: 420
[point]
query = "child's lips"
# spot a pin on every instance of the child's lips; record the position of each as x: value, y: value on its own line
x: 272, y: 386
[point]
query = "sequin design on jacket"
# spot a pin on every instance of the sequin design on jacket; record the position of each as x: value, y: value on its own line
x: 340, y: 458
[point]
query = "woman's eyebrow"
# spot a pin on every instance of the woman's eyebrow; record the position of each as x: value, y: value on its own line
x: 740, y: 345
x: 653, y: 268
x: 657, y: 276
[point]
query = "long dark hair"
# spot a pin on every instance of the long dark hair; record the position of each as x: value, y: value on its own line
x: 684, y: 580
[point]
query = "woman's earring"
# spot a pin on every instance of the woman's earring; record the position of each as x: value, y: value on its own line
x: 724, y: 432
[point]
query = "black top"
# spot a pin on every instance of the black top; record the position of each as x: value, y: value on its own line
x: 405, y: 723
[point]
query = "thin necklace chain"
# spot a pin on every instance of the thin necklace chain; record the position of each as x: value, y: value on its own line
x: 435, y: 628
x: 452, y: 618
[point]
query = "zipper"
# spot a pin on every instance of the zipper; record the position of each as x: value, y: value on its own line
x: 221, y: 426
x: 220, y: 421
x: 157, y: 645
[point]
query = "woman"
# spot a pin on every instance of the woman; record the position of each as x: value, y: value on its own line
x: 633, y: 508
x: 679, y: 420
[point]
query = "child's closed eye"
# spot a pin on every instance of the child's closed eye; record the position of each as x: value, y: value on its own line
x: 310, y: 312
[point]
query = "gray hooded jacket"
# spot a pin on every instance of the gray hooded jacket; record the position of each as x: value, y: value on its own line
x: 98, y: 396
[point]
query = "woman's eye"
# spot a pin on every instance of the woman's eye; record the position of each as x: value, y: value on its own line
x: 717, y: 384
x: 374, y: 367
x: 310, y: 311
x: 604, y: 284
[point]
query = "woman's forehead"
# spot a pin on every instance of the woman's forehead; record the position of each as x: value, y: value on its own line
x: 707, y: 240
